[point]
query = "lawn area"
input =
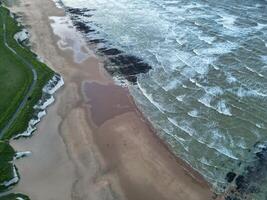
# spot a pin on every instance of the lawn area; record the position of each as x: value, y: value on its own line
x: 16, y: 78
x: 6, y: 166
x: 6, y: 152
x: 22, y: 78
x: 14, y: 197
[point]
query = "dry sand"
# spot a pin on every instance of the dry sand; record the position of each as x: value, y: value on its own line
x: 93, y: 144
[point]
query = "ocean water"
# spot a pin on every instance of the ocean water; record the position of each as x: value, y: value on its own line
x: 206, y: 91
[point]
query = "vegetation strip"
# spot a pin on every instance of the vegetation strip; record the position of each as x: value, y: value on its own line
x: 26, y: 89
x: 31, y: 87
x: 24, y: 80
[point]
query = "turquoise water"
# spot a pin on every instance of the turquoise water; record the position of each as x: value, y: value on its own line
x: 206, y: 93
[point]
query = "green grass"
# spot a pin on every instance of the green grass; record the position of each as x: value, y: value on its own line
x: 16, y: 77
x: 14, y: 197
x: 6, y: 167
x: 6, y: 152
x: 6, y: 171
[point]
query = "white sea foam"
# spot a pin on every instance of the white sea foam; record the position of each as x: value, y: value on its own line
x: 58, y: 3
x: 260, y: 26
x: 217, y: 135
x: 209, y: 163
x: 221, y: 106
x: 206, y: 100
x: 181, y: 140
x: 264, y: 59
x: 173, y: 121
x: 217, y: 145
x: 207, y: 39
x: 223, y: 150
x: 119, y: 80
x: 223, y: 109
x: 230, y: 78
x: 177, y: 138
x: 184, y: 86
x: 184, y: 126
x: 193, y: 113
x: 200, y: 65
x: 180, y: 98
x: 205, y: 161
x: 215, y: 90
x: 227, y: 20
x: 190, y: 131
x: 212, y: 90
x: 188, y: 72
x: 192, y: 80
x: 254, y: 71
x: 151, y: 100
x: 172, y: 85
x: 242, y: 92
x: 241, y: 143
x: 217, y: 48
x: 260, y: 125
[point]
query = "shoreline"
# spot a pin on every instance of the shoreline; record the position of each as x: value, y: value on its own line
x: 187, y: 167
x: 89, y: 149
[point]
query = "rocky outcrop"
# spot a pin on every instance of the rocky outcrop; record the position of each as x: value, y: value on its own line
x: 120, y: 65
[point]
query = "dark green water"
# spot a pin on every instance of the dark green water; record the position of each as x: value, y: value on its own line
x: 207, y: 91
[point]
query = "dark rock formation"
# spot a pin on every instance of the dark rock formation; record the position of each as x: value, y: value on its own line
x: 117, y: 62
x: 230, y: 176
x: 251, y: 180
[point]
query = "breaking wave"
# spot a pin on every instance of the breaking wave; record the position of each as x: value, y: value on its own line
x: 199, y: 70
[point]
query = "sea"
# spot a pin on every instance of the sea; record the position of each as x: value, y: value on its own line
x: 197, y: 69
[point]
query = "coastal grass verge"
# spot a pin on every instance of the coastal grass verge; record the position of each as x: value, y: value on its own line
x: 7, y: 154
x: 16, y: 78
x: 14, y: 196
x: 22, y: 80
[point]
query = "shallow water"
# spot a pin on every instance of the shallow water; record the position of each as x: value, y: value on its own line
x: 207, y: 90
x: 63, y: 28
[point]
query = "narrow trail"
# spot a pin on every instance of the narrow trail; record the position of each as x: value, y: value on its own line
x: 30, y: 88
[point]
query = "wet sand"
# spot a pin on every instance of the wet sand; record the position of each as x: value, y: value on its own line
x: 93, y: 144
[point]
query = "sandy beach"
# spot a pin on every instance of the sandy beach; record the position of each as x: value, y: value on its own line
x: 94, y: 143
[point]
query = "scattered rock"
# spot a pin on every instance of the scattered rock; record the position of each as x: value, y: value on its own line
x: 22, y: 36
x: 230, y: 176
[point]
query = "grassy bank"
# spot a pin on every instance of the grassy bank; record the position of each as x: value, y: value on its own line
x: 16, y: 78
x: 6, y: 166
x: 14, y: 197
x: 22, y: 78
